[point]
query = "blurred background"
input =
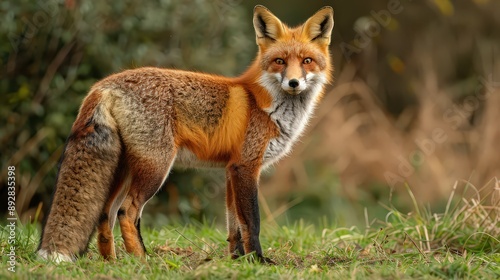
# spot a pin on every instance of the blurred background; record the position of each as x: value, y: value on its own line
x: 414, y: 108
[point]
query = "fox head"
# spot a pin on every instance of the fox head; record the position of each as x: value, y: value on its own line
x: 293, y: 60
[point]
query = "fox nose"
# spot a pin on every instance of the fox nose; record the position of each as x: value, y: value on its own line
x: 293, y: 83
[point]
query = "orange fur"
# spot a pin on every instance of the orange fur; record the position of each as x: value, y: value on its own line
x: 224, y: 140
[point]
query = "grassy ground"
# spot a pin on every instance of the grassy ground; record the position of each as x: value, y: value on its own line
x: 462, y: 242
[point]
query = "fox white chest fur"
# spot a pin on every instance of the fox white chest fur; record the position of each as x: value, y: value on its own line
x: 290, y: 113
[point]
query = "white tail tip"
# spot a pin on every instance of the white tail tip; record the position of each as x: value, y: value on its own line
x: 55, y: 256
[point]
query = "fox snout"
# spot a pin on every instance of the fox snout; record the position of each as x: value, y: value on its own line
x: 294, y: 85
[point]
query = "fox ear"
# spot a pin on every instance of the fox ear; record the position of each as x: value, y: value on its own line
x: 268, y: 27
x: 319, y: 27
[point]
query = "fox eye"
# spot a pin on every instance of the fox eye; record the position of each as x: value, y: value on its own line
x: 279, y: 61
x: 307, y: 60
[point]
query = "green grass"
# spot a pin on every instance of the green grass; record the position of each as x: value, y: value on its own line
x: 462, y: 242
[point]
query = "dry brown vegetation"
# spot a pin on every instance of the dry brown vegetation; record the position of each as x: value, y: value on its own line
x: 428, y: 147
x: 426, y: 115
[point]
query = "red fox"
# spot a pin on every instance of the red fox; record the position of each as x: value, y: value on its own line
x: 135, y: 125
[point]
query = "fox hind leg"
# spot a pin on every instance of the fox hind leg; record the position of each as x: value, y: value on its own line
x: 105, y: 239
x: 147, y: 179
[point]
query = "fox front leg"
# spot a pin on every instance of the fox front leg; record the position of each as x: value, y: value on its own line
x: 233, y: 226
x: 244, y: 182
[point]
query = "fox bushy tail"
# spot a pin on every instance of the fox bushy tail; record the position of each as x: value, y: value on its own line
x: 84, y: 180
